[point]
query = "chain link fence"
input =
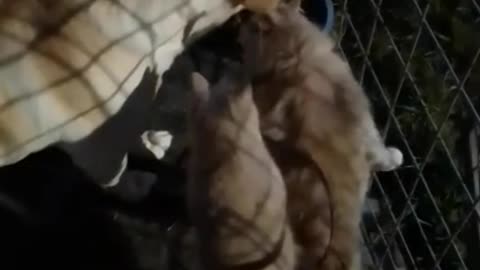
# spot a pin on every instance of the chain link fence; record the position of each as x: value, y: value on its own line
x: 419, y: 62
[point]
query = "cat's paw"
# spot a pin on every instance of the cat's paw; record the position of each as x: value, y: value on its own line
x: 396, y: 157
x: 393, y: 160
x: 157, y: 142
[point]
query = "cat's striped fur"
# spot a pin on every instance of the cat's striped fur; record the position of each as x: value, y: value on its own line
x: 308, y: 98
x: 236, y: 194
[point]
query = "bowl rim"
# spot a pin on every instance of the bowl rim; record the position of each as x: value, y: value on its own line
x: 330, y: 18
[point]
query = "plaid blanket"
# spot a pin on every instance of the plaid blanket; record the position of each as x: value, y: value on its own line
x: 62, y: 86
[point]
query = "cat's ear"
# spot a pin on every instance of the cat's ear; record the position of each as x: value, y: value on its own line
x: 259, y: 6
x: 200, y: 87
x: 294, y: 4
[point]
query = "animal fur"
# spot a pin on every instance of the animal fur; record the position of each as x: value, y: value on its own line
x: 236, y: 194
x: 309, y: 205
x: 308, y: 98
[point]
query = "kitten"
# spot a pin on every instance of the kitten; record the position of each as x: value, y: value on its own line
x: 236, y: 195
x: 307, y: 97
x: 309, y: 205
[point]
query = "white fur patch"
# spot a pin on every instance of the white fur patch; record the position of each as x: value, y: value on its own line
x: 157, y: 142
x: 275, y: 134
x: 396, y: 157
x: 390, y: 159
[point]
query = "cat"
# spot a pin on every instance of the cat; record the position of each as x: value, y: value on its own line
x: 236, y: 197
x: 308, y: 98
x: 308, y: 203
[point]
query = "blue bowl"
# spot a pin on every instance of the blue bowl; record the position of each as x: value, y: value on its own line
x: 321, y: 12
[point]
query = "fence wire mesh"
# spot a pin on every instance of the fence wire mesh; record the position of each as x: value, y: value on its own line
x: 418, y: 60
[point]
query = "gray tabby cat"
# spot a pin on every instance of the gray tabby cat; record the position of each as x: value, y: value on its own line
x: 308, y: 98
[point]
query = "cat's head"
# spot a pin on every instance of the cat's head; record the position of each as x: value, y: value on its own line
x: 224, y: 108
x: 282, y: 32
x: 302, y: 88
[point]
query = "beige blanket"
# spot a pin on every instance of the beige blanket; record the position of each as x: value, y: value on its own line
x: 61, y: 87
